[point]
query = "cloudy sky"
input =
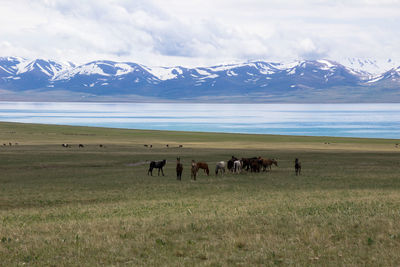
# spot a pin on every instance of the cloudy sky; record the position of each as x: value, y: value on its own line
x: 200, y: 32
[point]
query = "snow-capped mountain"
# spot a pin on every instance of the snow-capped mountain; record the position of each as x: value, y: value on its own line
x: 310, y: 80
x: 391, y: 77
x: 368, y: 65
x: 19, y: 73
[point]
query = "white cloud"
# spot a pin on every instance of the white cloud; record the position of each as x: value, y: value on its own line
x: 199, y: 32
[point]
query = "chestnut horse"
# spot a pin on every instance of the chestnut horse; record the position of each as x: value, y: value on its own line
x: 267, y: 163
x: 204, y: 166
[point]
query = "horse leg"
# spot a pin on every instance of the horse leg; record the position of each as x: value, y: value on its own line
x: 162, y: 172
x: 150, y: 171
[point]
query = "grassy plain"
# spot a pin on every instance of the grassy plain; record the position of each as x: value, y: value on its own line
x: 97, y: 206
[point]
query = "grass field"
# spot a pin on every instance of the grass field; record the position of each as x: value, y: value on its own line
x: 97, y: 206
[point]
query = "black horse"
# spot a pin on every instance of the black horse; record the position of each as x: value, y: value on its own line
x: 231, y: 163
x: 158, y: 165
x: 297, y: 166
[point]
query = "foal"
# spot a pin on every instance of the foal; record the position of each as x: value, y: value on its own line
x: 179, y: 169
x: 297, y: 166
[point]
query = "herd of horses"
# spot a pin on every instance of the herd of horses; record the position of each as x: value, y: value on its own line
x: 234, y: 165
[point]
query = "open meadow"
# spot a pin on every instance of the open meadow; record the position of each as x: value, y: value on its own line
x: 97, y: 205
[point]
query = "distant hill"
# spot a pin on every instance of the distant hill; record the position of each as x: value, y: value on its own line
x: 302, y: 81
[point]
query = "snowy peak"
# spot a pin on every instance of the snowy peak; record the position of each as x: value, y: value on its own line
x: 8, y: 65
x: 20, y: 66
x: 368, y: 65
x: 392, y: 75
x: 102, y: 69
x: 47, y: 67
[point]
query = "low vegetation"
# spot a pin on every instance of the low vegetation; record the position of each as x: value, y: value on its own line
x: 92, y: 205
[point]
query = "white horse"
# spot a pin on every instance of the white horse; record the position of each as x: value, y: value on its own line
x: 237, y: 166
x: 220, y: 166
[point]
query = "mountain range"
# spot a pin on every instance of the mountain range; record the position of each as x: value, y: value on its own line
x: 307, y: 81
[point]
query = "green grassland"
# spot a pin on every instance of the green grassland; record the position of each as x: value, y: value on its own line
x: 97, y: 205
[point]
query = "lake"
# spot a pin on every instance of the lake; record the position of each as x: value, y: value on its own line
x: 346, y: 120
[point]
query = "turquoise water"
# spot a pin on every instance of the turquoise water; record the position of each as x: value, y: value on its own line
x: 346, y: 120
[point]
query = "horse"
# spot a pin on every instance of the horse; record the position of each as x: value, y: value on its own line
x: 246, y: 162
x: 297, y: 166
x: 179, y: 169
x: 80, y: 145
x: 157, y: 164
x: 255, y: 165
x: 237, y: 166
x: 204, y: 166
x: 220, y: 166
x: 193, y: 170
x: 267, y: 163
x: 231, y: 163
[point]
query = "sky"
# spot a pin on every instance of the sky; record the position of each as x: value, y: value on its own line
x: 200, y: 32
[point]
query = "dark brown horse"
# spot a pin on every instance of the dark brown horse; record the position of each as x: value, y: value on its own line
x: 255, y: 165
x: 179, y: 169
x: 193, y: 170
x: 246, y: 162
x: 204, y: 166
x: 267, y: 163
x: 297, y: 166
x: 158, y: 165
